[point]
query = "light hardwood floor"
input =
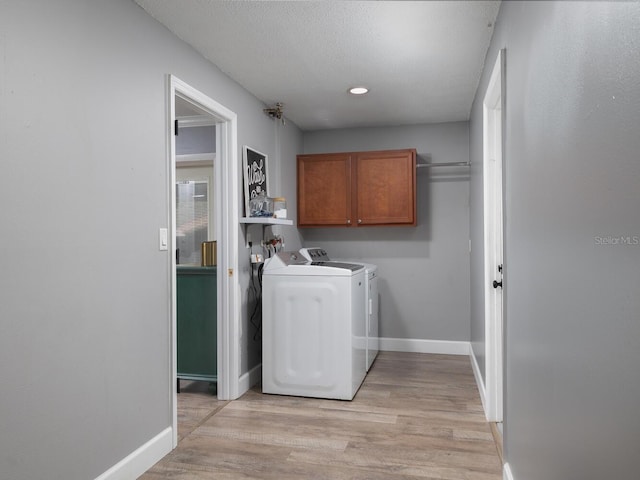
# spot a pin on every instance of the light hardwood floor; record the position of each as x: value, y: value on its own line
x: 416, y: 416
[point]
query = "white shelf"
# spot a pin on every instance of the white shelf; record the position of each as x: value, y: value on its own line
x: 267, y: 220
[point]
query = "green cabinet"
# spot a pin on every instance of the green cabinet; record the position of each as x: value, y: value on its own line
x: 197, y: 323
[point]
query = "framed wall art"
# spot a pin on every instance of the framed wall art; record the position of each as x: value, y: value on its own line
x: 256, y: 180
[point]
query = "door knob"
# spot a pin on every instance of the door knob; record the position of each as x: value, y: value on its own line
x: 497, y: 284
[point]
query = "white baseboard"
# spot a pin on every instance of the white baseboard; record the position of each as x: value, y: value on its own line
x: 479, y: 380
x: 445, y: 347
x: 506, y: 472
x: 249, y: 379
x: 141, y: 459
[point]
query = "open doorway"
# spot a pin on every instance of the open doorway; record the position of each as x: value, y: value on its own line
x: 196, y: 268
x: 195, y: 164
x: 217, y: 193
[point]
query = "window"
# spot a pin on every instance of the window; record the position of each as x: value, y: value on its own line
x: 192, y: 219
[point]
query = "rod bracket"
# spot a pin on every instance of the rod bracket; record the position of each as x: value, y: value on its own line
x: 276, y: 112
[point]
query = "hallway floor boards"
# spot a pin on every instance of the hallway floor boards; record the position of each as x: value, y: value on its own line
x: 416, y: 416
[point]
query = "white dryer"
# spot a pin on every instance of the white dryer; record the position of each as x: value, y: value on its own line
x: 313, y: 322
x: 372, y: 306
x: 372, y: 301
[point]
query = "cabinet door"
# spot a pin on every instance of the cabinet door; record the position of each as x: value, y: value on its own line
x: 197, y: 326
x: 324, y: 190
x: 385, y: 187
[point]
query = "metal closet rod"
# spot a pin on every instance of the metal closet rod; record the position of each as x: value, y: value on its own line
x: 446, y: 164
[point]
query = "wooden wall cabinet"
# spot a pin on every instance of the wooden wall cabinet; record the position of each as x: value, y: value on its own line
x: 357, y: 189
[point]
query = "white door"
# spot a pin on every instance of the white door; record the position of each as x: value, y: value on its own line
x: 493, y: 240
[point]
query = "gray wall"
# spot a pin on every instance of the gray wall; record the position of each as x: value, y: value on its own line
x: 290, y: 143
x: 424, y: 270
x: 84, y: 308
x: 282, y: 183
x: 571, y: 285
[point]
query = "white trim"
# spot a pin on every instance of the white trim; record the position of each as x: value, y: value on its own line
x: 141, y: 459
x: 171, y: 222
x: 506, y: 472
x: 445, y: 347
x: 227, y: 196
x: 478, y: 375
x: 227, y: 204
x: 196, y: 121
x: 251, y: 378
x: 195, y: 157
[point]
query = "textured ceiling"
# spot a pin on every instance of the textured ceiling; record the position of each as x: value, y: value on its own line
x: 421, y: 60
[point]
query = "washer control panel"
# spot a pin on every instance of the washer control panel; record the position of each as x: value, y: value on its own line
x: 315, y: 254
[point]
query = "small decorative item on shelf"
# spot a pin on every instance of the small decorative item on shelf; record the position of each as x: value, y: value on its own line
x: 208, y: 253
x: 261, y: 206
x: 280, y: 207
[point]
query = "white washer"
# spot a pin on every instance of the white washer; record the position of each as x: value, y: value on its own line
x: 372, y: 301
x: 314, y: 332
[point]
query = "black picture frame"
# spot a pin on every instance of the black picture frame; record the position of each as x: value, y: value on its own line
x: 255, y: 173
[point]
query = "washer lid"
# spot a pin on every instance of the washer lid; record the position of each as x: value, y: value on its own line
x: 346, y: 266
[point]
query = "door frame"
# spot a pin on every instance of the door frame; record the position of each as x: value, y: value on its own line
x: 226, y: 220
x: 493, y: 163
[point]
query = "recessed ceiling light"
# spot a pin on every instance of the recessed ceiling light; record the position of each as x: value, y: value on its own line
x: 358, y: 90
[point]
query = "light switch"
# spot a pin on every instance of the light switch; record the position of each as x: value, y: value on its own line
x: 164, y: 239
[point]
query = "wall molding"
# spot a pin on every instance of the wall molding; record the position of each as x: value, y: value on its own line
x: 195, y: 121
x: 141, y: 459
x: 195, y: 159
x: 444, y: 347
x: 250, y: 378
x: 506, y: 472
x: 479, y: 380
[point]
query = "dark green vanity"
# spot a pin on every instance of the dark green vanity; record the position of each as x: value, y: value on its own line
x: 197, y: 323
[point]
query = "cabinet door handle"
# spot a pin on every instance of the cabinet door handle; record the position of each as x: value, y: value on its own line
x: 349, y: 222
x: 359, y: 220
